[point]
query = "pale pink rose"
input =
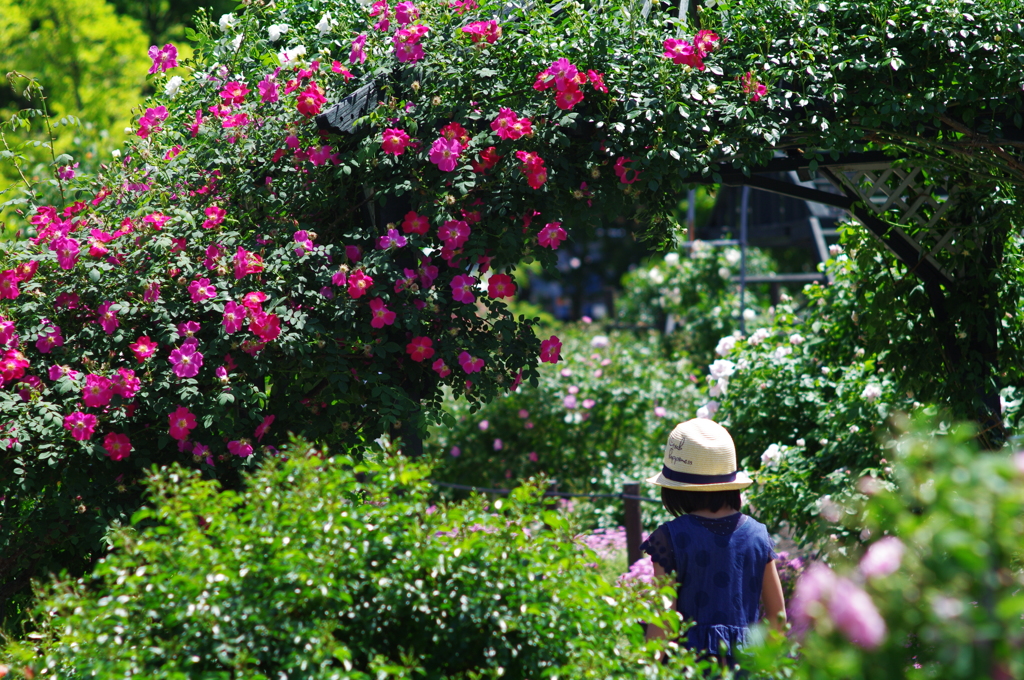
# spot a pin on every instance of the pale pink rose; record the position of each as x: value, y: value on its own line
x: 853, y: 612
x: 882, y: 558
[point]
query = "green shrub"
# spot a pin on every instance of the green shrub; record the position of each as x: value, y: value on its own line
x: 696, y: 288
x: 310, y: 572
x: 938, y: 593
x: 598, y: 418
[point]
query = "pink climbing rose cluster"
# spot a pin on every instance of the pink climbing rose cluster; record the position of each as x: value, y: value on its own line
x: 483, y: 31
x: 691, y: 54
x: 753, y: 87
x: 567, y: 80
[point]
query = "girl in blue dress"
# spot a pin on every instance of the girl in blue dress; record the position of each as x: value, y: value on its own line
x: 723, y: 560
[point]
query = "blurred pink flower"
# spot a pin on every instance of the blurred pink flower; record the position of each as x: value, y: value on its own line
x: 660, y: 412
x: 264, y: 427
x: 523, y: 413
x: 498, y: 445
x: 641, y: 570
x: 882, y: 558
x: 819, y: 592
x: 855, y: 614
x: 455, y: 451
x: 483, y: 425
x: 532, y: 456
x: 242, y: 449
x: 550, y: 350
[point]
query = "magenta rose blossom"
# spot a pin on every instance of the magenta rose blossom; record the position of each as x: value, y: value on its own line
x: 164, y: 58
x: 550, y: 349
x: 181, y: 423
x: 395, y: 142
x: 80, y: 425
x: 186, y: 360
x: 118, y: 446
x: 234, y: 317
x: 462, y: 289
x: 242, y: 449
x: 97, y: 391
x: 444, y: 153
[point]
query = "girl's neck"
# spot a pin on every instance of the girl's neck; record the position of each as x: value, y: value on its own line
x: 725, y: 511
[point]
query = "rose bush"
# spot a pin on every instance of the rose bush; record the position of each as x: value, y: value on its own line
x: 936, y: 593
x: 697, y: 290
x: 599, y: 417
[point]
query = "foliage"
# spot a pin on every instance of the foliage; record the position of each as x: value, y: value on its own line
x: 948, y: 592
x: 167, y: 20
x: 808, y: 407
x: 698, y: 291
x: 820, y: 387
x: 92, y: 64
x: 597, y: 419
x: 295, y: 214
x: 324, y: 567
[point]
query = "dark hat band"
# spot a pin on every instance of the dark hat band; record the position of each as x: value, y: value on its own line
x: 691, y: 478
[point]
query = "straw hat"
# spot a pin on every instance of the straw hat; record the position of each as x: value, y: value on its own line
x: 700, y: 456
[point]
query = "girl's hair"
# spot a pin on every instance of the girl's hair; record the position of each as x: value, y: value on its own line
x: 679, y: 502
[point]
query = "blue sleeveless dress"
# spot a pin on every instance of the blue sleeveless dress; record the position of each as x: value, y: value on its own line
x: 719, y: 566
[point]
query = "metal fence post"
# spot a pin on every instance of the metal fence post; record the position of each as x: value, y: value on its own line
x: 631, y: 501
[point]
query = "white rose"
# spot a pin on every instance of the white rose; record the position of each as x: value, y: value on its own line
x: 782, y: 351
x: 722, y: 368
x: 749, y: 314
x: 708, y: 410
x: 324, y: 26
x: 600, y: 341
x: 771, y: 456
x: 732, y: 255
x: 725, y: 345
x: 871, y: 392
x: 835, y: 249
x: 227, y: 22
x: 292, y: 55
x: 796, y: 339
x: 672, y: 259
x: 172, y: 86
x: 275, y: 31
x: 759, y: 336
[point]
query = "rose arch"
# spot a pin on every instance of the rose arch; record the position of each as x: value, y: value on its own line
x: 316, y: 225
